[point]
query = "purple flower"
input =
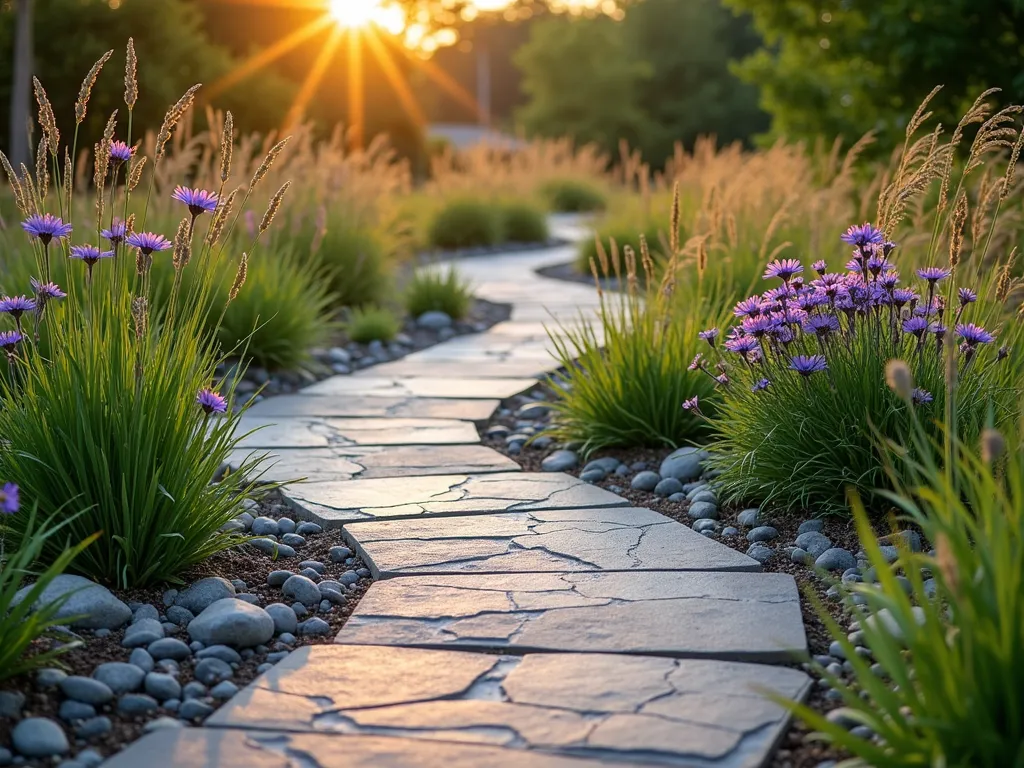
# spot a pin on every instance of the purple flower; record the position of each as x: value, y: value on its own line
x: 809, y: 301
x: 693, y: 404
x: 862, y: 235
x: 748, y: 307
x: 888, y: 247
x: 147, y: 242
x: 821, y: 325
x: 90, y: 254
x: 742, y: 345
x: 974, y: 334
x: 9, y: 340
x: 934, y: 307
x: 778, y: 294
x: 9, y: 502
x: 46, y: 291
x: 966, y: 296
x: 876, y: 264
x: 820, y: 266
x: 722, y: 379
x: 709, y: 335
x: 46, y: 227
x: 760, y: 385
x: 805, y: 365
x: 116, y: 232
x: 933, y: 274
x: 16, y: 306
x: 211, y: 402
x: 120, y: 152
x: 198, y: 200
x: 916, y: 326
x: 903, y: 295
x: 758, y: 326
x: 889, y: 280
x: 783, y: 269
x: 921, y: 396
x: 939, y: 330
x: 856, y: 264
x: 696, y: 364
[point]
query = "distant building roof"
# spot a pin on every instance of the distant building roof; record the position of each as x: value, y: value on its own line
x: 466, y: 135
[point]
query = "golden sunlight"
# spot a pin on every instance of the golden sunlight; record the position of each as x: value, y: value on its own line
x: 357, y: 14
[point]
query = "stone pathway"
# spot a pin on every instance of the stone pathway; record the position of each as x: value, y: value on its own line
x: 519, y: 619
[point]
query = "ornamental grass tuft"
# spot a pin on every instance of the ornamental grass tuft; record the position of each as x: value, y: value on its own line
x: 438, y: 290
x: 573, y: 196
x: 109, y: 403
x: 366, y: 324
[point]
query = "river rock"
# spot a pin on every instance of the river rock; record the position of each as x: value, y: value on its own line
x: 95, y: 605
x: 233, y: 622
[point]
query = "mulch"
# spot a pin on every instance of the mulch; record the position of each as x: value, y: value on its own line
x: 247, y: 564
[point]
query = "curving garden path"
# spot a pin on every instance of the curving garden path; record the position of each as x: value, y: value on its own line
x: 518, y: 619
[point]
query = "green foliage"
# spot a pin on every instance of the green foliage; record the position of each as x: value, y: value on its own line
x: 658, y: 77
x: 466, y: 223
x: 523, y: 223
x: 369, y: 323
x: 437, y: 290
x: 573, y: 196
x: 357, y: 258
x: 20, y: 625
x: 626, y: 377
x: 846, y: 68
x: 284, y: 311
x: 951, y: 690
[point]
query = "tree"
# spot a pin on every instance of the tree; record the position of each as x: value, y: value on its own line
x: 837, y: 67
x: 582, y: 81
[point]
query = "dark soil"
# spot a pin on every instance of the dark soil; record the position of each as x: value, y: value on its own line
x: 245, y: 563
x: 795, y: 750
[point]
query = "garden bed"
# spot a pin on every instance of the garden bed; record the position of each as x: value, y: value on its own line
x: 244, y: 564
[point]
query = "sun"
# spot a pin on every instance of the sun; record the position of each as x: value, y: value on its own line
x: 357, y: 14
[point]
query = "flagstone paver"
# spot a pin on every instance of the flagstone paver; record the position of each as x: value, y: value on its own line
x: 644, y: 710
x: 460, y: 369
x: 727, y: 616
x: 289, y: 432
x: 304, y: 404
x: 421, y: 386
x: 351, y: 462
x: 332, y: 504
x: 555, y: 540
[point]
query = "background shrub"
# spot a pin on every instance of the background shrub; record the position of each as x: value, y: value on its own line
x: 523, y: 223
x: 573, y: 196
x: 366, y: 324
x: 438, y: 290
x: 357, y: 258
x: 464, y: 223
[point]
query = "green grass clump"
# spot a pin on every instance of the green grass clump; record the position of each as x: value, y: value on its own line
x: 366, y: 324
x: 357, y: 259
x: 438, y: 290
x: 523, y: 223
x: 613, y: 239
x: 284, y: 311
x: 627, y: 376
x: 573, y: 196
x: 464, y: 223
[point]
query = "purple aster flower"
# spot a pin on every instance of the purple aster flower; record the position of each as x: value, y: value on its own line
x: 46, y: 291
x: 974, y: 334
x: 783, y: 269
x: 758, y: 326
x: 916, y: 326
x: 46, y: 227
x: 933, y: 307
x: 9, y: 502
x: 120, y: 152
x: 877, y: 264
x: 809, y: 301
x: 697, y: 363
x: 782, y: 334
x: 693, y: 404
x: 939, y: 330
x: 820, y: 266
x: 760, y: 385
x: 709, y: 335
x: 147, y: 242
x: 901, y: 296
x: 198, y: 200
x: 90, y: 254
x: 16, y: 306
x: 862, y: 235
x: 9, y: 340
x: 933, y: 274
x: 781, y: 293
x: 742, y: 345
x: 966, y: 296
x: 888, y: 247
x: 855, y: 265
x: 805, y: 365
x: 116, y: 233
x: 821, y: 325
x: 722, y: 379
x: 748, y: 307
x: 211, y: 402
x: 889, y: 280
x: 921, y: 396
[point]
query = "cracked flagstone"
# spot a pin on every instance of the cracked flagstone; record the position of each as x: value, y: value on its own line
x: 332, y: 504
x: 351, y: 462
x: 461, y: 369
x: 725, y: 616
x: 308, y: 405
x: 290, y: 432
x: 644, y: 710
x: 224, y: 748
x: 556, y: 540
x: 372, y: 384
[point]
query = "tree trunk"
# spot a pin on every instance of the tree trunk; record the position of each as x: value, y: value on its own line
x: 21, y: 87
